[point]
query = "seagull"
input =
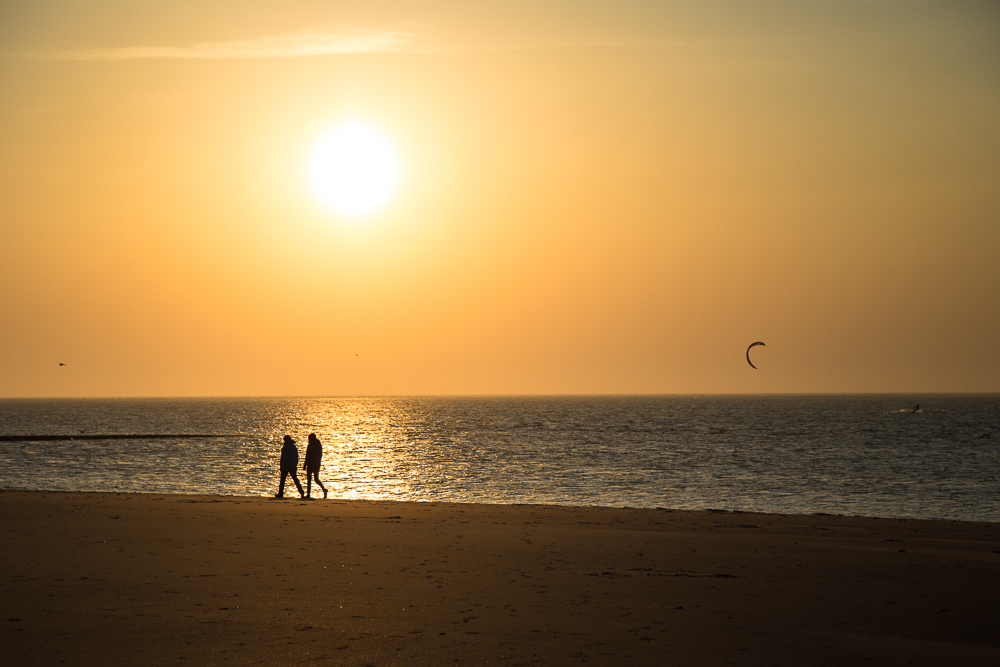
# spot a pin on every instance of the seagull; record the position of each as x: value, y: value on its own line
x: 61, y: 363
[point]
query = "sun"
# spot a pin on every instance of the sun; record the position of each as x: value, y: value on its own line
x: 354, y: 170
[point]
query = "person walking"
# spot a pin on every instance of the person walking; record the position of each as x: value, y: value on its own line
x: 314, y: 453
x: 289, y: 462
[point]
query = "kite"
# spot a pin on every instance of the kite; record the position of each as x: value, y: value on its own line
x: 748, y: 353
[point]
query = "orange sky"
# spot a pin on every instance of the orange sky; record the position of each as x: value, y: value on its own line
x: 596, y: 197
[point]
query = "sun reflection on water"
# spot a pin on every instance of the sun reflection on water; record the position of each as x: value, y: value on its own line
x: 853, y: 455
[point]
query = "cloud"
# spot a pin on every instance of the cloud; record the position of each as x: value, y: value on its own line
x: 327, y: 39
x: 337, y: 39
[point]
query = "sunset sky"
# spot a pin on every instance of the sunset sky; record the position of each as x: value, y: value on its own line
x: 593, y: 197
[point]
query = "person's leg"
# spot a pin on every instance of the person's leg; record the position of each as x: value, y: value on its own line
x: 298, y: 484
x: 281, y: 485
x: 308, y: 484
x: 319, y: 483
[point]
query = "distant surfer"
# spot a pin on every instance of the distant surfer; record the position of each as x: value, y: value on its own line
x: 314, y: 453
x: 917, y: 408
x: 289, y: 462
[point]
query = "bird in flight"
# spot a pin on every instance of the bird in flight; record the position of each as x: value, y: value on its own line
x: 61, y: 363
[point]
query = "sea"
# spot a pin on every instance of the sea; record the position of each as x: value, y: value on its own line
x: 877, y: 455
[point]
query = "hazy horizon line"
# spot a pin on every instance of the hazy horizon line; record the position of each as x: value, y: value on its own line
x: 522, y: 395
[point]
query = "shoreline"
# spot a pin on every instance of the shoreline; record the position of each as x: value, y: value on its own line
x: 706, y: 510
x: 180, y: 579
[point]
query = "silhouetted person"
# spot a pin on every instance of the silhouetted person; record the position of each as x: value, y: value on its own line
x: 314, y: 452
x: 289, y: 462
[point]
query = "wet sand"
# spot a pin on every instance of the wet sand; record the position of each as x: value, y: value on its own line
x: 127, y: 579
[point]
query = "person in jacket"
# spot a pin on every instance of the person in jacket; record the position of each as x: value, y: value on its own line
x: 289, y: 462
x: 314, y: 452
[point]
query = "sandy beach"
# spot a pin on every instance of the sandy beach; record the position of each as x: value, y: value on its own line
x: 126, y: 579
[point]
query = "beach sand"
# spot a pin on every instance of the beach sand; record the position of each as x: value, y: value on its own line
x: 130, y: 579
